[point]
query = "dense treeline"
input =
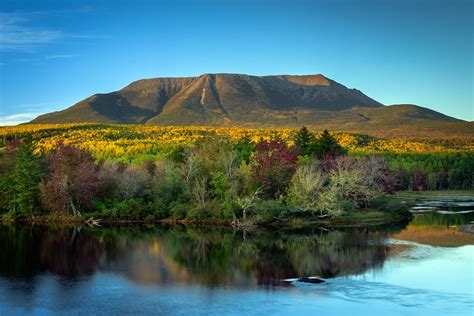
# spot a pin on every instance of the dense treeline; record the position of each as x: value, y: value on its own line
x: 432, y: 171
x: 219, y: 179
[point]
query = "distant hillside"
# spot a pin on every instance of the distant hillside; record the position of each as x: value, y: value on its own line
x: 243, y: 100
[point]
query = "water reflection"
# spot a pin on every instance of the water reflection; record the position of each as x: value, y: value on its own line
x: 438, y: 229
x: 392, y: 270
x: 187, y: 254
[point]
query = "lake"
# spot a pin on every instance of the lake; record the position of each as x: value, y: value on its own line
x: 425, y: 267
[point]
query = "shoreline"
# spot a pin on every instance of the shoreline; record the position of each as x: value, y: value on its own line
x: 344, y: 221
x: 370, y: 217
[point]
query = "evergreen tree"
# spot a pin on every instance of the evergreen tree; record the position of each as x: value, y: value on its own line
x: 7, y: 163
x: 24, y: 181
x: 326, y: 145
x: 244, y: 148
x: 305, y: 141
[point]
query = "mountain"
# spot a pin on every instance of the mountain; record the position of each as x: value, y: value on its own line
x: 243, y: 100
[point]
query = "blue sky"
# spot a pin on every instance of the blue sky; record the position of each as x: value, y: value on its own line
x: 56, y: 53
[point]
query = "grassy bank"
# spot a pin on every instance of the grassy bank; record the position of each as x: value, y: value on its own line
x: 436, y: 195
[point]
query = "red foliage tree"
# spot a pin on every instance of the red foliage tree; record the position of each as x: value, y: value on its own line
x: 75, y: 181
x: 273, y: 166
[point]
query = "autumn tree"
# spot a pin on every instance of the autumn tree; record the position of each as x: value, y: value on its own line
x: 273, y: 165
x: 74, y: 183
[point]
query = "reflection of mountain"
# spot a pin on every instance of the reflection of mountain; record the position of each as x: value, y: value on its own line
x: 207, y: 256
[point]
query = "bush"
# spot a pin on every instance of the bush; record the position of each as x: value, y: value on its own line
x: 332, y: 204
x: 270, y: 210
x: 346, y: 206
x: 390, y: 205
x: 199, y: 214
x: 130, y: 209
x: 177, y: 154
x: 306, y: 186
x: 179, y: 210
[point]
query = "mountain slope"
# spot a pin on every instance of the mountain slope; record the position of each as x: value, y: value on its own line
x: 243, y: 100
x: 210, y: 99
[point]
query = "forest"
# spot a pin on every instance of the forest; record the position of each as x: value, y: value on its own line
x: 219, y: 175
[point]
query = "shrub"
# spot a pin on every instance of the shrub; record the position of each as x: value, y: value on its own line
x: 177, y: 154
x: 389, y: 204
x: 179, y: 210
x: 332, y: 205
x: 199, y: 214
x: 269, y: 210
x: 306, y: 186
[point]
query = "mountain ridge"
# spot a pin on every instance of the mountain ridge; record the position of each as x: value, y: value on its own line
x: 225, y: 99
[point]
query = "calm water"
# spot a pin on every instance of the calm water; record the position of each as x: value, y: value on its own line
x: 425, y: 268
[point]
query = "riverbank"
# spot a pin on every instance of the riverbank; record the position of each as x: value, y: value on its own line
x: 455, y: 195
x: 450, y: 198
x: 362, y: 218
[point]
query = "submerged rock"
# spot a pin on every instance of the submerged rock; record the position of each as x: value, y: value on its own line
x: 313, y: 280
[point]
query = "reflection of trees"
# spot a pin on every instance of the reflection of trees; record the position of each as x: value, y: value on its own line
x: 27, y: 250
x: 438, y: 230
x: 336, y: 253
x: 206, y: 255
x: 69, y: 252
x: 19, y: 251
x: 266, y: 256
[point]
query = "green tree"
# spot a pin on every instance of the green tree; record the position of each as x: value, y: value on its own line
x: 305, y: 141
x: 326, y: 144
x: 24, y: 181
x: 244, y: 148
x: 7, y: 163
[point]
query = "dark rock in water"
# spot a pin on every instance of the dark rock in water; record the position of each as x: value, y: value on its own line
x: 311, y: 280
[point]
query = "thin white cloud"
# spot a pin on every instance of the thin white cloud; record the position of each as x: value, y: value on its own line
x: 17, y: 33
x: 18, y: 118
x: 30, y: 106
x: 62, y: 56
